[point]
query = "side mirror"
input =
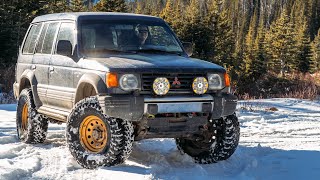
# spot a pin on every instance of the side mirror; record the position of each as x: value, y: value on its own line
x: 64, y: 47
x: 188, y: 48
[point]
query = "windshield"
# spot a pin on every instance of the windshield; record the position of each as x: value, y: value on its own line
x: 104, y: 37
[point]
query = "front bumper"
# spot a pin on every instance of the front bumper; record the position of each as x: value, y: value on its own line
x: 134, y: 108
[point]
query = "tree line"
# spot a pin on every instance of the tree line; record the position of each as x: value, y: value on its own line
x: 251, y: 38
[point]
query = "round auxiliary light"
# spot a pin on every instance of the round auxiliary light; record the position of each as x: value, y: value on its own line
x: 200, y: 85
x: 161, y: 86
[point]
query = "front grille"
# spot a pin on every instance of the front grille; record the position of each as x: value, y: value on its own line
x: 185, y: 79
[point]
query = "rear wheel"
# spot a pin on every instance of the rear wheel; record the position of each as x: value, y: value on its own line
x: 31, y: 126
x: 94, y: 139
x: 216, y: 148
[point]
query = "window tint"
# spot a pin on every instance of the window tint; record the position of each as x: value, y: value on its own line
x: 49, y: 37
x: 66, y: 32
x: 31, y: 39
x: 40, y: 41
x: 161, y: 37
x: 98, y: 36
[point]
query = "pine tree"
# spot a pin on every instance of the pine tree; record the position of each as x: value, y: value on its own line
x: 7, y: 32
x: 111, y: 6
x: 224, y: 41
x: 168, y: 13
x: 55, y: 6
x: 254, y: 54
x: 148, y: 9
x: 14, y: 22
x: 77, y: 6
x: 304, y: 56
x: 139, y: 7
x: 179, y: 21
x: 315, y: 66
x: 281, y: 46
x: 159, y: 5
x: 258, y: 66
x: 248, y: 54
x: 196, y: 31
x: 314, y: 19
x: 90, y: 4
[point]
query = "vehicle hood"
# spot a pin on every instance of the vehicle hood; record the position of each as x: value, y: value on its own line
x: 156, y: 63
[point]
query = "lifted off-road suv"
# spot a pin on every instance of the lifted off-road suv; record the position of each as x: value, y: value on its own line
x: 114, y: 78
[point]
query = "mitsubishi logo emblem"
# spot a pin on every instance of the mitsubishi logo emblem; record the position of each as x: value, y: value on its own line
x: 176, y: 83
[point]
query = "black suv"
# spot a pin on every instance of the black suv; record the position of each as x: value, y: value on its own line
x: 114, y: 78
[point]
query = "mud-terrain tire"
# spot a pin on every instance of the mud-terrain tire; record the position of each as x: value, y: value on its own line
x: 127, y: 139
x: 224, y: 145
x: 31, y: 126
x: 93, y: 138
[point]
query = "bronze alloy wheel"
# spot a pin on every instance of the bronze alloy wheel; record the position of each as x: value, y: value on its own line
x: 24, y: 118
x: 93, y: 134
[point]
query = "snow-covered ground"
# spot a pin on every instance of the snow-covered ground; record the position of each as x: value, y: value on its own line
x: 280, y: 138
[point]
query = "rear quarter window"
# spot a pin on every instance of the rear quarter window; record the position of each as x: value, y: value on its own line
x: 41, y: 38
x: 30, y: 42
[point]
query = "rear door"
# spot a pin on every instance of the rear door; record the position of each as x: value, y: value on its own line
x: 42, y: 56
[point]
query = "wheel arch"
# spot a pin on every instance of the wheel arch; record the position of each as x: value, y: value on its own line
x: 29, y: 80
x: 89, y: 85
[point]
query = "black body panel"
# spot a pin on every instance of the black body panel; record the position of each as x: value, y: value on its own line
x: 156, y: 63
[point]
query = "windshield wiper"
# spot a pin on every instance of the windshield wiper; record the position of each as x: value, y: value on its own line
x: 158, y: 51
x: 108, y: 51
x: 117, y: 51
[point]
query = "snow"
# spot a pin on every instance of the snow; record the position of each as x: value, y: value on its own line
x: 280, y: 138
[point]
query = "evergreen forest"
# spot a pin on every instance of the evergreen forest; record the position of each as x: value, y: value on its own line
x: 271, y: 48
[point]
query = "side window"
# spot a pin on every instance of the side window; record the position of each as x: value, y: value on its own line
x: 30, y: 42
x: 40, y: 41
x: 66, y: 32
x: 49, y: 37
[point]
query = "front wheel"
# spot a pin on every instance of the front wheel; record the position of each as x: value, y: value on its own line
x: 93, y: 138
x: 219, y: 147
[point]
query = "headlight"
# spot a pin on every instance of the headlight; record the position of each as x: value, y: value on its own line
x: 200, y: 85
x: 129, y: 82
x: 215, y: 82
x: 161, y: 86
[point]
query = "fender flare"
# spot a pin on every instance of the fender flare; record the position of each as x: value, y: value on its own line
x: 28, y: 75
x: 94, y: 80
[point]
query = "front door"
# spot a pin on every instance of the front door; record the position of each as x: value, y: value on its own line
x: 61, y: 90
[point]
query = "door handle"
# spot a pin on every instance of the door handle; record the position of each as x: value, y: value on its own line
x: 51, y: 68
